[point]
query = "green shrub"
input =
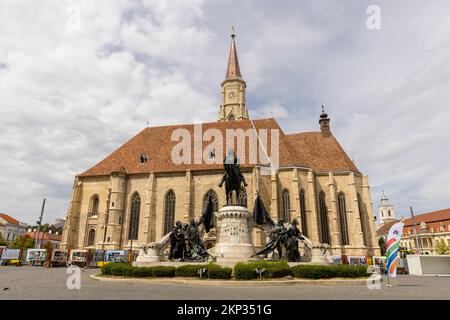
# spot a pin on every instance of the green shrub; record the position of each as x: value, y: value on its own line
x: 143, y: 272
x: 217, y: 272
x: 246, y: 271
x: 117, y: 269
x: 126, y: 270
x: 314, y: 272
x: 327, y: 272
x: 163, y: 271
x: 346, y: 271
x: 189, y: 270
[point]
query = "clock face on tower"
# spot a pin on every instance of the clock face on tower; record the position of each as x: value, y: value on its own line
x: 231, y: 95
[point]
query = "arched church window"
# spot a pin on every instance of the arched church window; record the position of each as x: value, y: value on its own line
x: 303, y: 213
x: 169, y: 211
x: 362, y: 219
x: 94, y: 206
x: 91, y: 238
x: 343, y: 219
x: 215, y: 200
x: 323, y: 219
x: 134, y: 217
x: 286, y: 206
x: 243, y: 198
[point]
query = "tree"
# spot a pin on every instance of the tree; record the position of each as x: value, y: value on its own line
x: 442, y: 247
x: 3, y: 242
x: 23, y: 242
x: 48, y: 246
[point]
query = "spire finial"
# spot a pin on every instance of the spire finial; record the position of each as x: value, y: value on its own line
x: 233, y: 70
x: 323, y: 115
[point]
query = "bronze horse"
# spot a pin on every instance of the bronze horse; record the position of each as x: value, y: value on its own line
x: 233, y: 179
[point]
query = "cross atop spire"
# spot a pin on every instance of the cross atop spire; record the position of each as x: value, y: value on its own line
x: 233, y: 70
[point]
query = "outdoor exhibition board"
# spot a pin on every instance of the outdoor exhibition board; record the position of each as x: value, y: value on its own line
x: 78, y: 257
x: 10, y: 254
x: 36, y: 256
x: 116, y: 256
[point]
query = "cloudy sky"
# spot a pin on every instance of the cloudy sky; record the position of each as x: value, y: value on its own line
x: 79, y: 78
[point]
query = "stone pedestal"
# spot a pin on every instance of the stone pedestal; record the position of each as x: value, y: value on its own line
x: 233, y: 242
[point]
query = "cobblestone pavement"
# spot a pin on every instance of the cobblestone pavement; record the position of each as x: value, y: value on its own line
x: 41, y: 283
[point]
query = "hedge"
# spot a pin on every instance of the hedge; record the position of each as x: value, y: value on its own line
x: 327, y: 272
x: 247, y: 271
x: 217, y: 272
x: 126, y: 270
x: 242, y: 271
x: 190, y: 270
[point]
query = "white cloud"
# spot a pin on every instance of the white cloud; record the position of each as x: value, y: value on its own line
x: 69, y: 96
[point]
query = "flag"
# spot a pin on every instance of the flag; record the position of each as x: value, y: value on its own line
x: 392, y: 245
x: 207, y: 214
x: 260, y: 214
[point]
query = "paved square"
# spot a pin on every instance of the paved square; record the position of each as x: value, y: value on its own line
x: 42, y: 283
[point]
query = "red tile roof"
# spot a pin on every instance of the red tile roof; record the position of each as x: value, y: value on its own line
x: 8, y: 218
x: 435, y: 216
x: 319, y: 153
x: 304, y: 149
x: 47, y: 236
x: 384, y: 229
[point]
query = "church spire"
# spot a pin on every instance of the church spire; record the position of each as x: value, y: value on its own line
x: 233, y: 88
x: 233, y: 70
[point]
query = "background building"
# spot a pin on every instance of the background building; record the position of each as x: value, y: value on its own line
x: 42, y: 238
x: 135, y: 195
x: 59, y: 223
x: 430, y: 228
x: 386, y: 210
x: 11, y: 228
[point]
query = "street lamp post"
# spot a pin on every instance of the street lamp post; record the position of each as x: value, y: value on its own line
x: 36, y: 234
x: 414, y: 229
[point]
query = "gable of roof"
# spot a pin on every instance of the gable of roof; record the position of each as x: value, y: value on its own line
x: 434, y: 216
x: 8, y: 218
x: 304, y: 149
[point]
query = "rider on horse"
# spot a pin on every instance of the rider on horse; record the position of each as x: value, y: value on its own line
x: 231, y: 159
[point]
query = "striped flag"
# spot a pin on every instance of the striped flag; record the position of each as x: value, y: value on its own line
x: 392, y: 245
